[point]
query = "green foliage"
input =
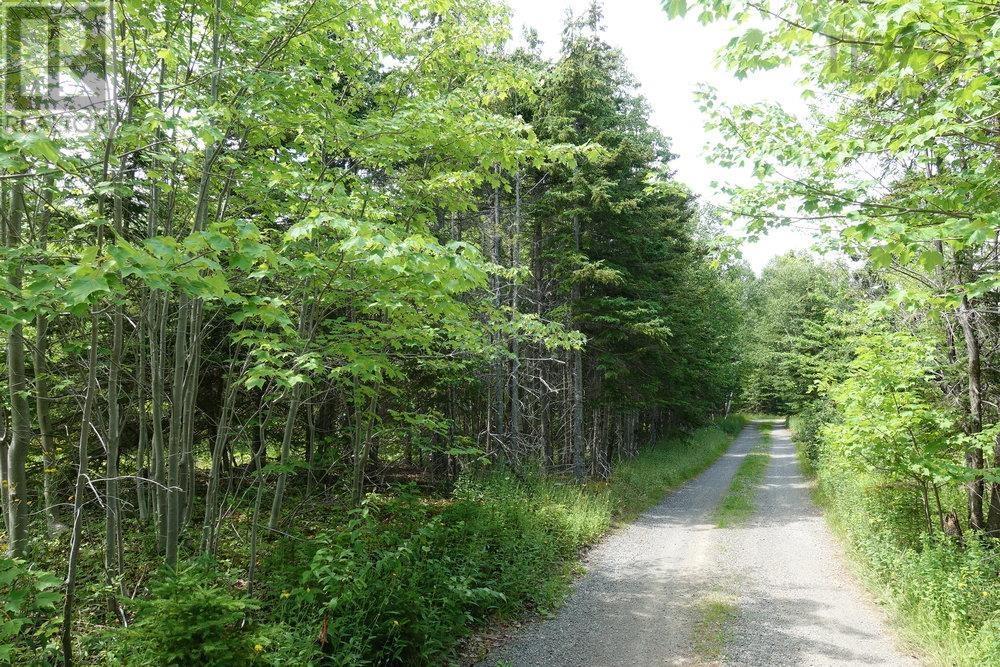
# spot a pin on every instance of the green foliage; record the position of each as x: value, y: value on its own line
x: 190, y: 618
x: 794, y: 331
x: 405, y: 578
x: 264, y: 268
x: 877, y: 445
x: 891, y: 422
x: 944, y: 595
x: 904, y: 88
x: 28, y: 623
x: 623, y: 237
x: 806, y: 429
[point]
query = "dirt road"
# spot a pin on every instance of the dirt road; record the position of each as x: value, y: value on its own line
x: 782, y: 576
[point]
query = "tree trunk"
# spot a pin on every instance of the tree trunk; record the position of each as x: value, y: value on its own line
x: 974, y: 455
x: 82, y: 480
x: 175, y: 447
x: 500, y: 384
x: 515, y: 372
x: 157, y: 359
x: 4, y: 447
x: 17, y: 454
x: 42, y: 400
x: 362, y: 439
x: 993, y: 518
x: 210, y: 527
x: 286, y: 445
x: 112, y: 564
x: 142, y: 470
x: 577, y: 427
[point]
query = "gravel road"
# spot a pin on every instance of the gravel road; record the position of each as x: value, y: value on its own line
x: 646, y: 585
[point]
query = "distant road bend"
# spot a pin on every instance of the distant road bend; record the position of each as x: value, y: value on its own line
x: 646, y: 586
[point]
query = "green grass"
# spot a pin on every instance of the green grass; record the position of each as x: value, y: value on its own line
x: 738, y: 504
x: 808, y: 465
x: 403, y: 582
x: 711, y: 631
x: 943, y: 600
x: 399, y: 581
x: 641, y: 483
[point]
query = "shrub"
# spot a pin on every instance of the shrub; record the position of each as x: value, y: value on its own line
x: 189, y: 619
x: 806, y: 427
x: 27, y: 612
x: 390, y: 594
x: 945, y: 594
x: 406, y: 577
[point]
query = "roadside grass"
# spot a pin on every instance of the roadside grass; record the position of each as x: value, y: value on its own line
x: 806, y: 462
x: 410, y: 575
x: 738, y: 504
x: 928, y: 594
x: 943, y: 601
x: 641, y: 483
x: 712, y: 630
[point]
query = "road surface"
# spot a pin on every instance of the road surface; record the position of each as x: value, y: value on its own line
x: 782, y: 573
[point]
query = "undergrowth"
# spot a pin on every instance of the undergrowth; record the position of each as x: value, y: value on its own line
x: 403, y: 578
x: 944, y: 596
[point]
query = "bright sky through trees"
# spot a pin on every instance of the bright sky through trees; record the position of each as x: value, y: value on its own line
x: 671, y: 59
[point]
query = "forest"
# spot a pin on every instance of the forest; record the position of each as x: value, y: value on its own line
x: 336, y: 330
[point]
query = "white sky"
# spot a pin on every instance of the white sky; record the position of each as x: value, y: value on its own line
x: 670, y: 58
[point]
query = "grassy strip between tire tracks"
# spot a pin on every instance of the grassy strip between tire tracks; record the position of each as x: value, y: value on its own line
x: 738, y: 504
x: 712, y: 630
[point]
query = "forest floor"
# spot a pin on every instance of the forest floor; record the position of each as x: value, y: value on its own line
x: 674, y: 589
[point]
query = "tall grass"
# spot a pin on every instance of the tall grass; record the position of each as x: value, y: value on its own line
x: 403, y: 581
x: 944, y: 597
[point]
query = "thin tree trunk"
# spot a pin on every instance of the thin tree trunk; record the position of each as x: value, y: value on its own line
x: 974, y: 455
x: 311, y: 445
x: 578, y: 463
x: 192, y: 375
x: 112, y: 564
x: 210, y: 526
x: 362, y: 445
x: 544, y: 435
x: 4, y: 429
x: 286, y: 445
x: 49, y: 461
x: 175, y: 447
x: 993, y: 518
x: 157, y: 359
x: 157, y: 340
x: 500, y: 385
x: 82, y: 480
x: 255, y: 518
x: 142, y: 470
x: 286, y: 437
x: 17, y: 454
x: 515, y: 371
x: 4, y: 447
x: 42, y: 400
